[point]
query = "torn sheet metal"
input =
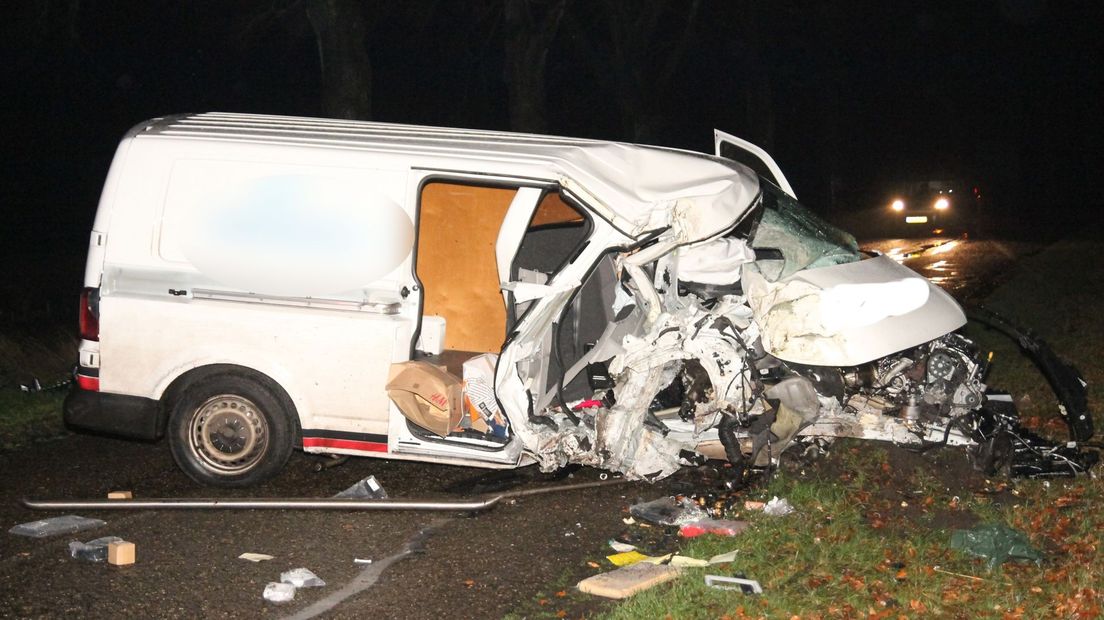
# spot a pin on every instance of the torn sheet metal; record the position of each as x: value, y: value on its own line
x: 718, y: 261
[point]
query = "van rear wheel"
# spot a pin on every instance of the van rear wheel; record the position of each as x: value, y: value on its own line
x: 230, y: 431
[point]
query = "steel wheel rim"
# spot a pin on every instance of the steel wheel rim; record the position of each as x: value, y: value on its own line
x: 228, y: 434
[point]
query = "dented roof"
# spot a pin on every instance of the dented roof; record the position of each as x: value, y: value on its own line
x: 638, y: 188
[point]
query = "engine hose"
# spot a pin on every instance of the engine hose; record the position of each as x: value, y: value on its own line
x: 727, y: 434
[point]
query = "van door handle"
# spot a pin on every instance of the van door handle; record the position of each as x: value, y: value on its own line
x: 177, y: 292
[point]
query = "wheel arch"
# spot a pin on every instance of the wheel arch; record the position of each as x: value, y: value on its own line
x: 176, y: 389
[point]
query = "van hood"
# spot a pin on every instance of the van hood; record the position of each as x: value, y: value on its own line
x: 849, y: 314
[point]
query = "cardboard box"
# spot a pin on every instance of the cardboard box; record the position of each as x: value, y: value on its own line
x: 120, y: 495
x: 120, y: 553
x: 427, y: 395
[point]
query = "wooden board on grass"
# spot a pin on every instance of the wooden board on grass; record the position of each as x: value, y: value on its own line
x: 628, y: 580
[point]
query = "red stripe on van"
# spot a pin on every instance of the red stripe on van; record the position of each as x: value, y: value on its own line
x: 344, y: 444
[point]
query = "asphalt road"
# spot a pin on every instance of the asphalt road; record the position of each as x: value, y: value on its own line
x: 463, y: 566
x: 444, y: 564
x: 967, y: 268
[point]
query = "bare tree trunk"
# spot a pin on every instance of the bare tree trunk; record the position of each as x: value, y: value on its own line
x: 341, y: 30
x: 530, y: 28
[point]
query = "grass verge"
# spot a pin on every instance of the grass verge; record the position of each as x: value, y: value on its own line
x: 26, y: 417
x: 47, y: 357
x: 870, y: 536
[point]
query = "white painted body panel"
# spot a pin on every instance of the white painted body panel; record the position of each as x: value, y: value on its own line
x: 332, y: 363
x: 850, y: 314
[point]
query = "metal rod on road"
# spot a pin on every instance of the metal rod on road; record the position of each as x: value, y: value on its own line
x: 330, y: 503
x: 304, y: 503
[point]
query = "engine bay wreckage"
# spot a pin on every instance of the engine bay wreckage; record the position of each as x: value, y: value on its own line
x: 773, y: 334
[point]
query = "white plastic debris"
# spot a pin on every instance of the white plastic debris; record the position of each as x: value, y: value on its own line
x: 255, y: 557
x: 361, y: 561
x: 276, y: 592
x: 621, y: 547
x: 723, y: 582
x: 778, y: 507
x: 301, y: 578
x: 721, y: 558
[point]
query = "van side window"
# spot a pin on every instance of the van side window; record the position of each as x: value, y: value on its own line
x: 554, y: 233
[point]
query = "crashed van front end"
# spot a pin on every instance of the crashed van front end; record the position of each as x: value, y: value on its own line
x: 745, y: 333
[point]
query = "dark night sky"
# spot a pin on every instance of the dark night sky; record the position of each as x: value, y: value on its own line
x: 1002, y: 91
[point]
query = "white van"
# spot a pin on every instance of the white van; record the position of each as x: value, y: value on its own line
x: 257, y: 284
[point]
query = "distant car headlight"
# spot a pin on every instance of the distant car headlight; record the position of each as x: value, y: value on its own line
x: 898, y: 205
x: 942, y: 204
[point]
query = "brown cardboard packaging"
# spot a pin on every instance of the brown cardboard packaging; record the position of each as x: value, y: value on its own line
x: 427, y: 395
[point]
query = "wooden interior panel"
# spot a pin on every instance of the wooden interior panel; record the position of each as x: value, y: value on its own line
x: 553, y: 210
x: 457, y: 229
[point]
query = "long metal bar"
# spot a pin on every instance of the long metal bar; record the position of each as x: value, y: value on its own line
x: 303, y: 503
x: 259, y: 504
x: 561, y: 487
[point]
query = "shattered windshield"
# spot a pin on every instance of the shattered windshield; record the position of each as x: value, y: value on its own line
x: 804, y: 240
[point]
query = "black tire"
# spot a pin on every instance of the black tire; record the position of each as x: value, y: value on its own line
x: 230, y: 431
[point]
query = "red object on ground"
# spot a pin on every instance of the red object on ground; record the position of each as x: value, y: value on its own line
x: 718, y: 527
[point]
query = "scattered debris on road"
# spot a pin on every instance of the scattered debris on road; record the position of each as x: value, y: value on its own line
x: 93, y: 550
x: 290, y: 581
x: 254, y: 557
x: 302, y: 578
x: 621, y: 547
x: 369, y: 488
x: 121, y: 553
x: 65, y: 524
x: 277, y: 592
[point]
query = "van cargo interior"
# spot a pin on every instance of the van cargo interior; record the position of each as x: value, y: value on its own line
x: 458, y: 226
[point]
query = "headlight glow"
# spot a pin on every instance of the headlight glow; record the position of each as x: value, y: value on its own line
x: 898, y: 205
x: 942, y: 203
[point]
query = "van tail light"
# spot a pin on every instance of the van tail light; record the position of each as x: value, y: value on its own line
x: 90, y: 314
